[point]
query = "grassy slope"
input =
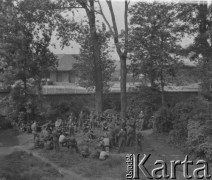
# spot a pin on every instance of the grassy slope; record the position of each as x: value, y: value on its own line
x: 8, y: 138
x: 22, y: 166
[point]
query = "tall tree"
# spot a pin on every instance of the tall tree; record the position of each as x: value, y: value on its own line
x: 121, y: 48
x: 24, y: 40
x: 154, y: 41
x: 66, y: 34
x: 85, y: 64
x: 198, y: 19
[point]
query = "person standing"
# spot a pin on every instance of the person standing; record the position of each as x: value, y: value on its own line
x: 141, y: 117
x: 80, y: 120
x: 56, y: 135
x: 58, y: 123
x: 106, y: 142
x: 122, y: 138
x: 71, y: 125
x: 139, y: 138
x: 34, y: 129
x: 91, y: 119
x: 130, y: 132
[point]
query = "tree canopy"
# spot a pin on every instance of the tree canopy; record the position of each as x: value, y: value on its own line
x: 85, y: 65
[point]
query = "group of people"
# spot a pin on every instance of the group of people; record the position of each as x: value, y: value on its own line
x: 53, y: 135
x: 114, y: 133
x: 120, y: 133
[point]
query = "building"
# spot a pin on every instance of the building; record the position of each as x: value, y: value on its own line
x: 64, y: 72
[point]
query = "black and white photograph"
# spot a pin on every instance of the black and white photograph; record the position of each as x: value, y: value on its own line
x: 105, y: 89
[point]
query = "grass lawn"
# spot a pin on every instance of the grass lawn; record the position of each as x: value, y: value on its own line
x: 112, y: 168
x: 22, y: 166
x: 8, y: 137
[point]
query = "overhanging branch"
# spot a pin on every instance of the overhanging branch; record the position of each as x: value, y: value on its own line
x: 105, y: 19
x: 116, y: 40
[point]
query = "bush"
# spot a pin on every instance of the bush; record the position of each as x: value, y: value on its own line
x: 4, y: 123
x: 163, y: 120
x: 148, y: 100
x: 192, y: 125
x: 64, y: 109
x: 180, y: 115
x: 205, y: 150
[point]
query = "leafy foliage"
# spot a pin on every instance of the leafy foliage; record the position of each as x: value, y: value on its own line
x: 148, y: 100
x: 155, y: 34
x: 197, y: 20
x: 85, y: 66
x: 25, y: 37
x: 191, y: 127
x: 163, y: 120
x: 63, y: 109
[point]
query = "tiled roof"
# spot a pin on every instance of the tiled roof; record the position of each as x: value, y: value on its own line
x: 66, y: 61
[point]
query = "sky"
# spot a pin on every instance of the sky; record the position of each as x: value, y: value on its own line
x: 118, y: 7
x: 74, y: 48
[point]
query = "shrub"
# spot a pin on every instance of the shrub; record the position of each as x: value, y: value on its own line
x: 180, y: 115
x: 64, y: 109
x: 205, y: 150
x: 148, y: 99
x: 5, y: 123
x: 163, y: 120
x: 192, y: 125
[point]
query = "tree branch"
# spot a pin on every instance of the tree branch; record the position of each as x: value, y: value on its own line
x: 105, y: 19
x: 116, y: 40
x: 128, y: 3
x: 126, y: 28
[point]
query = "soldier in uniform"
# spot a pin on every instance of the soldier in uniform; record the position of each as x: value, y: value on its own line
x: 56, y: 135
x: 80, y: 122
x: 85, y: 150
x: 34, y: 129
x: 114, y: 132
x: 139, y: 138
x: 121, y: 140
x: 73, y: 143
x: 141, y: 118
x: 130, y: 135
x: 71, y: 125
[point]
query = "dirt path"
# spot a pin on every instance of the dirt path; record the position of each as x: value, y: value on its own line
x: 26, y: 144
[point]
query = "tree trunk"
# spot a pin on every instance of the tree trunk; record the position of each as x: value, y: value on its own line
x: 40, y: 93
x: 163, y: 96
x: 95, y: 49
x: 123, y: 87
x: 122, y: 55
x: 152, y: 81
x: 162, y: 92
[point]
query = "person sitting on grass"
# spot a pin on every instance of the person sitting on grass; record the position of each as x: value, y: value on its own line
x: 48, y: 140
x: 103, y: 155
x: 38, y: 143
x: 73, y: 144
x: 63, y: 139
x: 91, y: 135
x: 85, y: 151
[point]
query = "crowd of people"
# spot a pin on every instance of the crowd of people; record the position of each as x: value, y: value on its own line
x: 108, y: 130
